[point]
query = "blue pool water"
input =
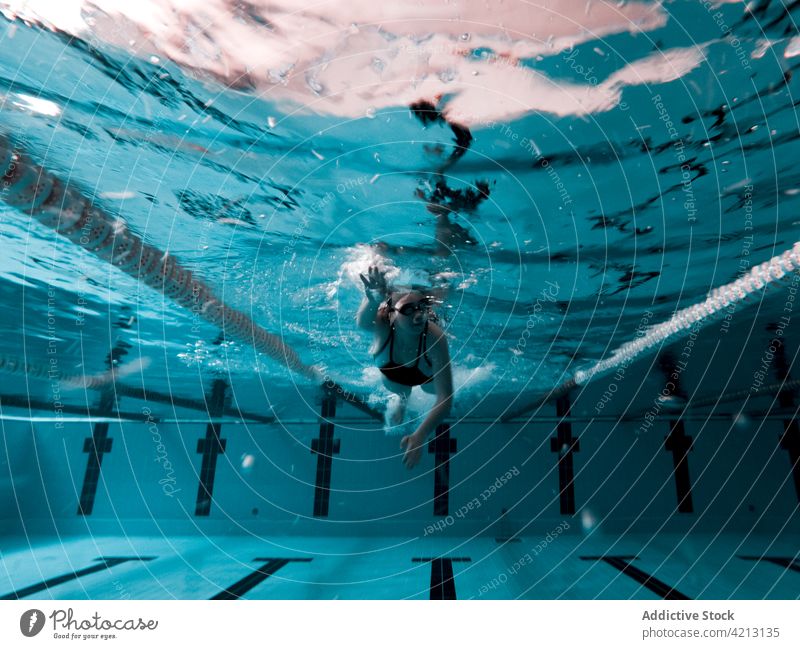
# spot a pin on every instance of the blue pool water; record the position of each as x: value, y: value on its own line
x: 561, y: 180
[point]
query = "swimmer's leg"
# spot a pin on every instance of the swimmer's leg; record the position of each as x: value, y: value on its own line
x: 430, y: 388
x: 396, y: 410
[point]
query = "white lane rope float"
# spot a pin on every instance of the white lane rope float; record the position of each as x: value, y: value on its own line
x: 779, y: 271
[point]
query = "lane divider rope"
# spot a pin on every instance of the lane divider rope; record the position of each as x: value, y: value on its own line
x: 33, y: 190
x: 776, y: 272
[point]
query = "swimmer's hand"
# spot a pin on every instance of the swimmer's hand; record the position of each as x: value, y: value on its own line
x: 413, y: 445
x: 375, y: 282
x: 314, y: 372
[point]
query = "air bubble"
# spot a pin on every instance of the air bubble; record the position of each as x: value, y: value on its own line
x: 448, y: 75
x: 315, y: 85
x: 588, y: 520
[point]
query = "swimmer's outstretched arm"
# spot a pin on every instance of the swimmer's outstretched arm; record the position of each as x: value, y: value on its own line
x: 367, y: 314
x: 375, y: 292
x: 443, y: 382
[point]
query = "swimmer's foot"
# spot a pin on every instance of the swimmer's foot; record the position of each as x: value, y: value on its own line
x: 396, y: 410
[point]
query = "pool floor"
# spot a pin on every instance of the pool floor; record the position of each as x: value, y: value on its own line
x: 571, y: 566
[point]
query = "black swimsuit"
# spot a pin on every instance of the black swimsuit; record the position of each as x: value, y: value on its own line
x: 409, y: 375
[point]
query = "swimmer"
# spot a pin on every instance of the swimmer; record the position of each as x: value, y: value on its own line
x: 411, y: 350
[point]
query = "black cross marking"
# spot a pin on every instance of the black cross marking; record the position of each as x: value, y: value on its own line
x: 790, y: 438
x: 325, y: 446
x: 623, y: 564
x: 96, y: 446
x: 442, y: 446
x: 680, y: 444
x: 106, y: 563
x: 99, y: 443
x: 791, y: 563
x: 443, y: 585
x: 243, y: 586
x: 565, y: 445
x: 210, y: 447
x: 506, y: 530
x: 790, y: 442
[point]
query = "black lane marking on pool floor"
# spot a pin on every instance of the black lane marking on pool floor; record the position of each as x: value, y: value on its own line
x: 790, y: 563
x: 325, y: 446
x: 790, y: 442
x: 679, y: 443
x: 790, y: 439
x: 243, y: 586
x: 623, y: 564
x: 443, y: 583
x: 211, y: 446
x: 565, y: 445
x: 98, y: 444
x: 442, y: 446
x: 106, y: 563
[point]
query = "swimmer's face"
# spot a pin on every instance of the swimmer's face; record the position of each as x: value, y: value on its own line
x: 411, y: 312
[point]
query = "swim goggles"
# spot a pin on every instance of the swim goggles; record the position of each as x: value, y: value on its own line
x: 412, y: 307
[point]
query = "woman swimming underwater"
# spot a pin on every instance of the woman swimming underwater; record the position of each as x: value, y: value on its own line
x: 410, y: 349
